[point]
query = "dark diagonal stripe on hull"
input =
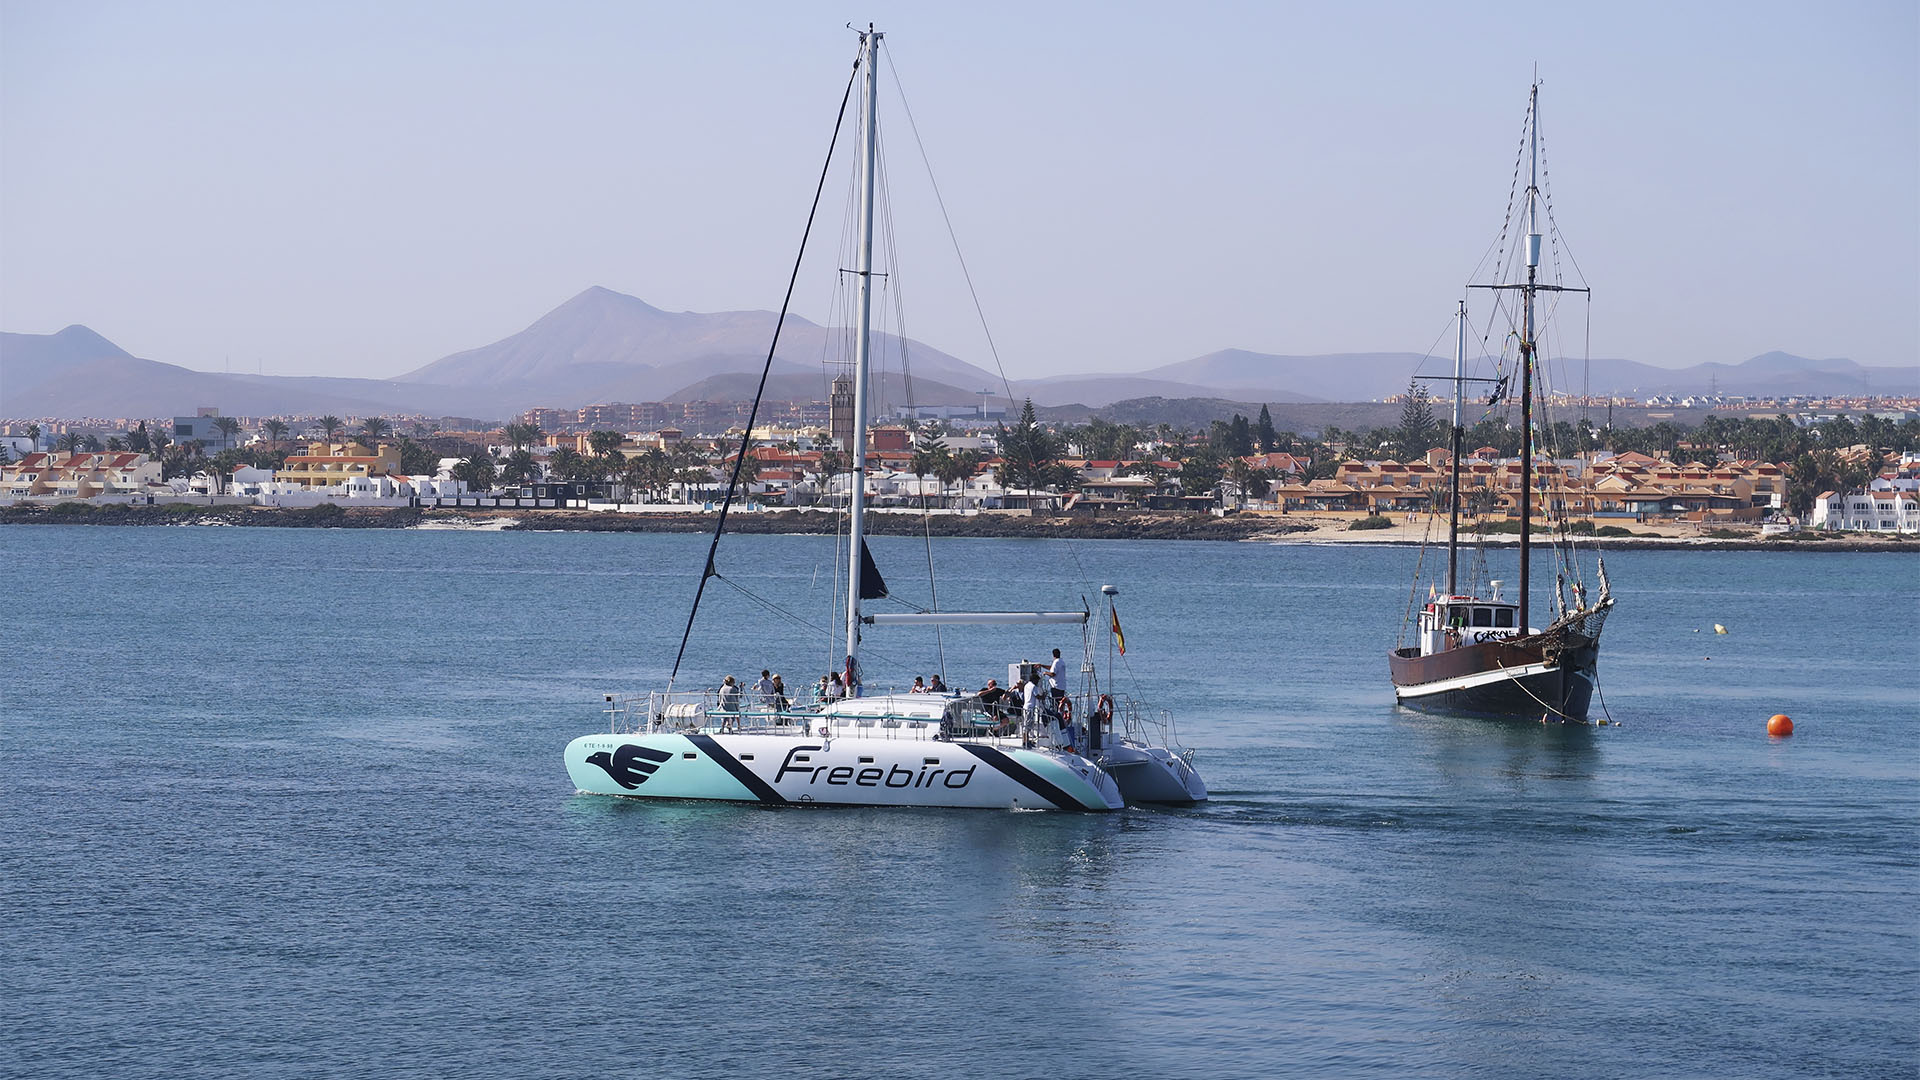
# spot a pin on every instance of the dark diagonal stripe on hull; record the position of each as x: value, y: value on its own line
x: 760, y: 788
x: 1024, y: 776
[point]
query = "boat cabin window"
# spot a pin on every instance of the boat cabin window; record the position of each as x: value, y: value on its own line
x: 1482, y: 616
x: 1503, y: 616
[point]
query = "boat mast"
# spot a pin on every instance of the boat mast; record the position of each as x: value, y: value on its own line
x: 1453, y: 498
x: 1526, y: 352
x: 857, y: 512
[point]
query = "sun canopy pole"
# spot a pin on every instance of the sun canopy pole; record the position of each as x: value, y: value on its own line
x: 973, y: 618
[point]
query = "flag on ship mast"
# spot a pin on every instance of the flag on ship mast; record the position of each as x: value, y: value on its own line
x: 1119, y: 639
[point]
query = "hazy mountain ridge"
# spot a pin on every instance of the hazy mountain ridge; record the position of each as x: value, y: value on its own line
x: 602, y: 346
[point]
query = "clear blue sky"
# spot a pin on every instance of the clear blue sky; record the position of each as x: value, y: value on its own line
x: 352, y: 188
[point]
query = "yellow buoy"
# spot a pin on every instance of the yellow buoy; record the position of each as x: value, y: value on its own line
x: 1718, y: 629
x: 1780, y: 726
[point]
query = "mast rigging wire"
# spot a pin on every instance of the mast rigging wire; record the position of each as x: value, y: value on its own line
x: 941, y: 201
x: 746, y: 437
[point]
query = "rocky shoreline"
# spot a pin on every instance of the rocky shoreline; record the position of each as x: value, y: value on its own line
x: 1001, y: 526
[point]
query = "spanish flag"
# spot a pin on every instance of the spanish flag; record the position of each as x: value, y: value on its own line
x: 1119, y: 639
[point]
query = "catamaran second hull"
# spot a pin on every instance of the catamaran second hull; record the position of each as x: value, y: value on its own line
x: 787, y: 769
x: 1153, y: 774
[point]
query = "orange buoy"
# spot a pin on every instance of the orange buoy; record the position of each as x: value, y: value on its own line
x: 1780, y: 726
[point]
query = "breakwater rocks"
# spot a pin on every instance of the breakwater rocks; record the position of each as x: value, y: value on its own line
x: 1135, y: 527
x: 1132, y: 527
x: 322, y: 517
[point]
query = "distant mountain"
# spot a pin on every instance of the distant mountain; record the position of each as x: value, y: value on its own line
x: 1774, y: 373
x: 606, y: 346
x: 76, y: 373
x: 30, y: 360
x: 1249, y: 376
x: 891, y: 389
x: 1099, y: 391
x: 603, y: 346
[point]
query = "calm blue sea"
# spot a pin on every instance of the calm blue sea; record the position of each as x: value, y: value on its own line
x: 281, y: 803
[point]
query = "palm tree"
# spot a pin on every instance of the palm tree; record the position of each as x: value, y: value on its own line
x: 276, y: 429
x: 603, y: 443
x: 228, y: 427
x: 958, y: 468
x: 68, y: 442
x: 565, y: 464
x: 653, y: 471
x: 415, y: 459
x: 477, y: 471
x: 521, y: 436
x: 749, y: 472
x: 373, y: 429
x: 329, y: 426
x: 519, y: 468
x: 33, y: 436
x: 606, y: 453
x: 927, y: 459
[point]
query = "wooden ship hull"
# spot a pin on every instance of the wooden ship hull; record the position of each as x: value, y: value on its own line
x: 1544, y: 676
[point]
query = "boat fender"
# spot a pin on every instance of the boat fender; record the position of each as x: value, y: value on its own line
x: 1103, y: 712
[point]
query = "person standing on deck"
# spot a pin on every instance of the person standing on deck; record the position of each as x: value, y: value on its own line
x: 763, y: 690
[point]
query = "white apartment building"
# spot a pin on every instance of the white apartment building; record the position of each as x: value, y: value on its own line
x: 1868, y: 511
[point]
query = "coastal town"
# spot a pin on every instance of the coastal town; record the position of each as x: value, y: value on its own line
x: 1830, y: 468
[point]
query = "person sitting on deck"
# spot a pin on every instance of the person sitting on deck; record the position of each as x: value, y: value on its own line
x: 991, y: 695
x: 763, y: 690
x: 997, y: 700
x: 937, y: 687
x: 919, y: 686
x: 779, y: 698
x: 835, y: 689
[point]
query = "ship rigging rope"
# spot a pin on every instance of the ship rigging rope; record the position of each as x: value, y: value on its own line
x: 1536, y: 697
x: 1413, y: 594
x: 746, y: 437
x: 799, y: 620
x: 941, y: 201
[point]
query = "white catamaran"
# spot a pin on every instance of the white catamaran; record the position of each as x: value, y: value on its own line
x: 912, y: 749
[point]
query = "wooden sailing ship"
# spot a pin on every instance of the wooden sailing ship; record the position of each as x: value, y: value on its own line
x: 1475, y: 650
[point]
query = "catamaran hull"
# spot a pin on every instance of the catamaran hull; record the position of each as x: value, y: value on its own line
x: 839, y: 771
x: 1498, y: 680
x: 1153, y: 774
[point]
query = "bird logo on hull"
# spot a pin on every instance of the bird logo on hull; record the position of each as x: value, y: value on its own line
x: 630, y: 765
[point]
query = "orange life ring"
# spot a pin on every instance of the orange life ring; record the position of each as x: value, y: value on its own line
x: 1103, y: 712
x: 1066, y: 710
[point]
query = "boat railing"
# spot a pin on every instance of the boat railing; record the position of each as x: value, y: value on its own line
x: 701, y: 711
x: 1140, y: 722
x: 697, y: 710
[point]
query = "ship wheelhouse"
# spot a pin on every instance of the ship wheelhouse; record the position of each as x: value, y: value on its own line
x: 1448, y: 622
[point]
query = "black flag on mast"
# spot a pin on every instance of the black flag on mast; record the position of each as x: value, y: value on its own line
x: 872, y: 585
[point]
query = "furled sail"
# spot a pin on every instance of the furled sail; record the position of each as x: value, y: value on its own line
x: 872, y: 585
